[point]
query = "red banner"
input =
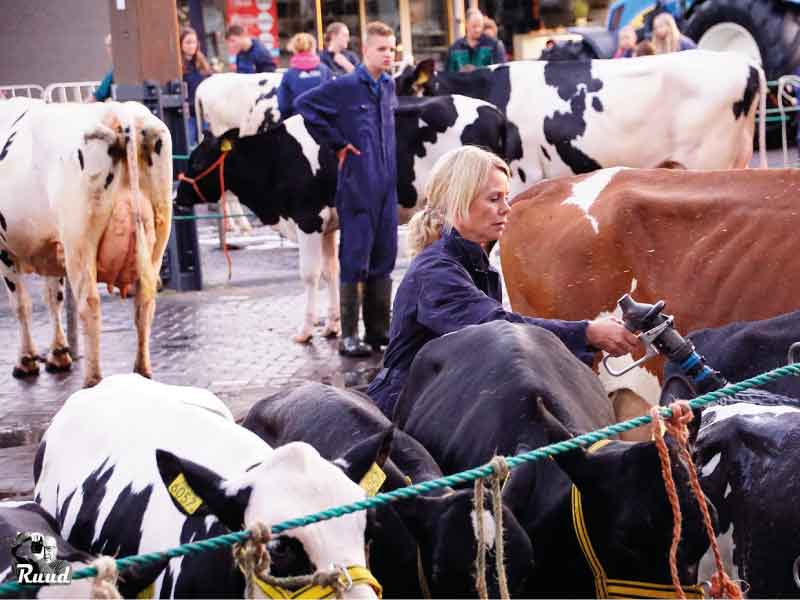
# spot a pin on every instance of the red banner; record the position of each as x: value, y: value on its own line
x: 258, y: 17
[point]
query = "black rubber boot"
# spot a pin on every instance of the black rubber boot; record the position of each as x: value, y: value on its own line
x: 350, y: 305
x: 377, y: 311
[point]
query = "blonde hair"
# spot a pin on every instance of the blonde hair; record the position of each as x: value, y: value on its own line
x: 302, y: 42
x: 453, y: 185
x: 672, y: 43
x: 378, y: 28
x: 333, y: 29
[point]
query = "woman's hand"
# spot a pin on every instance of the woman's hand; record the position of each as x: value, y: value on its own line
x: 610, y: 334
x: 342, y: 153
x: 341, y: 60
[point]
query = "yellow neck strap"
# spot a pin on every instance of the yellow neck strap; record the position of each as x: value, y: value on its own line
x: 616, y: 588
x: 359, y: 575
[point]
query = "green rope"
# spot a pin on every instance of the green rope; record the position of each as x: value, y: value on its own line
x: 584, y: 440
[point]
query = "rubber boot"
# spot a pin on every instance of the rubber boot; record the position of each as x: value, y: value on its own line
x: 377, y: 311
x: 350, y: 306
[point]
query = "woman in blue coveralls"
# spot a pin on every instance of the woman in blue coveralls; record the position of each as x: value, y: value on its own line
x: 450, y: 283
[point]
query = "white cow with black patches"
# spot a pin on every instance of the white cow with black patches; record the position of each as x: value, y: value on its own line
x: 133, y: 466
x: 244, y: 101
x: 85, y: 190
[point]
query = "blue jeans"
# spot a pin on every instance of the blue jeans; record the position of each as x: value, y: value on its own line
x: 191, y: 132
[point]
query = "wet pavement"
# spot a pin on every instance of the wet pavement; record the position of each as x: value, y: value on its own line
x: 233, y: 338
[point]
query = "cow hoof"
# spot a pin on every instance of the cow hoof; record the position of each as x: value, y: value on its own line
x: 302, y: 338
x: 148, y: 373
x: 331, y: 331
x: 59, y: 360
x: 92, y: 381
x: 27, y: 367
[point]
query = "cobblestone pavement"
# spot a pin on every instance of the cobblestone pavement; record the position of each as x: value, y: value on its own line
x: 233, y: 338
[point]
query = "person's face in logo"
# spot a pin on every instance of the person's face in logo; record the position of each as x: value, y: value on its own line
x: 50, y: 549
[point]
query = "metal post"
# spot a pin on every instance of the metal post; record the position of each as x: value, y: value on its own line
x: 405, y: 31
x: 320, y: 38
x: 362, y: 18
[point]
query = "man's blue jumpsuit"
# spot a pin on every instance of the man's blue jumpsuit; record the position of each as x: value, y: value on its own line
x: 355, y: 109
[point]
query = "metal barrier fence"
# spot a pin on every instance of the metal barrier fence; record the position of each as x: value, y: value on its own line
x: 70, y: 91
x: 25, y: 91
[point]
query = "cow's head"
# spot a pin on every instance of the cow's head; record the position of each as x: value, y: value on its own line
x: 627, y: 511
x: 292, y: 481
x: 419, y: 80
x: 201, y: 181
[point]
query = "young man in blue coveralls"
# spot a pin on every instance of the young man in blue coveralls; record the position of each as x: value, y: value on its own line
x: 354, y: 115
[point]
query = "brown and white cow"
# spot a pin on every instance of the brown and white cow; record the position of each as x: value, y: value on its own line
x: 85, y: 190
x: 717, y: 246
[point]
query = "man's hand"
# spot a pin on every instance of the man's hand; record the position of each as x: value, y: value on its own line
x: 342, y: 153
x: 610, y: 334
x: 341, y: 60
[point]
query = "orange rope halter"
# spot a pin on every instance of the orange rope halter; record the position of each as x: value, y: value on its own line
x: 220, y: 162
x: 721, y: 585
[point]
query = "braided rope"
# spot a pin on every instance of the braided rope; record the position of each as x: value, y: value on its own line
x: 580, y: 441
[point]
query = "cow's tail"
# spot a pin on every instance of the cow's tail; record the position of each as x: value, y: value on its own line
x: 762, y: 117
x: 144, y: 263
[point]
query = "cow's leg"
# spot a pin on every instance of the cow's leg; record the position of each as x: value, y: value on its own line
x: 82, y: 273
x: 310, y: 269
x: 58, y: 359
x: 241, y: 224
x: 330, y: 271
x: 144, y: 310
x: 20, y: 303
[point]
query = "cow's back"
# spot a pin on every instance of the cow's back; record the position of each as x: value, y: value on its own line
x: 482, y: 384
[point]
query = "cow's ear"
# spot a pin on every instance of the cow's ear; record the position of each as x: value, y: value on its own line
x: 574, y: 462
x: 198, y: 491
x: 359, y: 460
x: 424, y: 71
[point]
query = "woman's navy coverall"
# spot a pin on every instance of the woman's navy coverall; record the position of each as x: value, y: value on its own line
x: 355, y: 109
x: 448, y: 286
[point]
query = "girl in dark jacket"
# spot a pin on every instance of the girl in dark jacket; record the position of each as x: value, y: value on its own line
x: 305, y: 72
x: 450, y: 283
x: 195, y: 70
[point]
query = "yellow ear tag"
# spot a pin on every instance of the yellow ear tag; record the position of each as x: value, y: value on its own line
x: 226, y: 146
x: 184, y: 494
x: 373, y: 480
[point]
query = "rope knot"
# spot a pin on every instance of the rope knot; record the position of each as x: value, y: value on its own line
x: 251, y: 556
x: 500, y: 468
x: 104, y: 586
x: 500, y: 471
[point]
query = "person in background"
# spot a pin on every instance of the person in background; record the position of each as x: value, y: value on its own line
x: 490, y: 29
x: 336, y: 56
x: 305, y: 72
x: 666, y: 36
x: 195, y: 70
x: 476, y: 49
x: 644, y: 48
x: 251, y: 55
x: 354, y: 115
x: 450, y: 283
x: 103, y: 91
x: 626, y: 42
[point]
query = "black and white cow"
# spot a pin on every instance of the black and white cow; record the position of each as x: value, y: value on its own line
x: 513, y: 396
x: 746, y: 455
x: 440, y: 524
x: 244, y: 101
x: 287, y: 179
x: 744, y: 349
x: 134, y: 466
x: 29, y: 517
x: 696, y: 108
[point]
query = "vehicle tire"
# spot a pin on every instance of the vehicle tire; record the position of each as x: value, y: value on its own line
x: 773, y: 27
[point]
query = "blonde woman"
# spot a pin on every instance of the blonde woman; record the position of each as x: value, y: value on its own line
x: 305, y: 72
x: 666, y: 36
x: 450, y: 284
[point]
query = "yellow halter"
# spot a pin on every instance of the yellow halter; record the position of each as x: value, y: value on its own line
x: 358, y: 576
x: 616, y: 588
